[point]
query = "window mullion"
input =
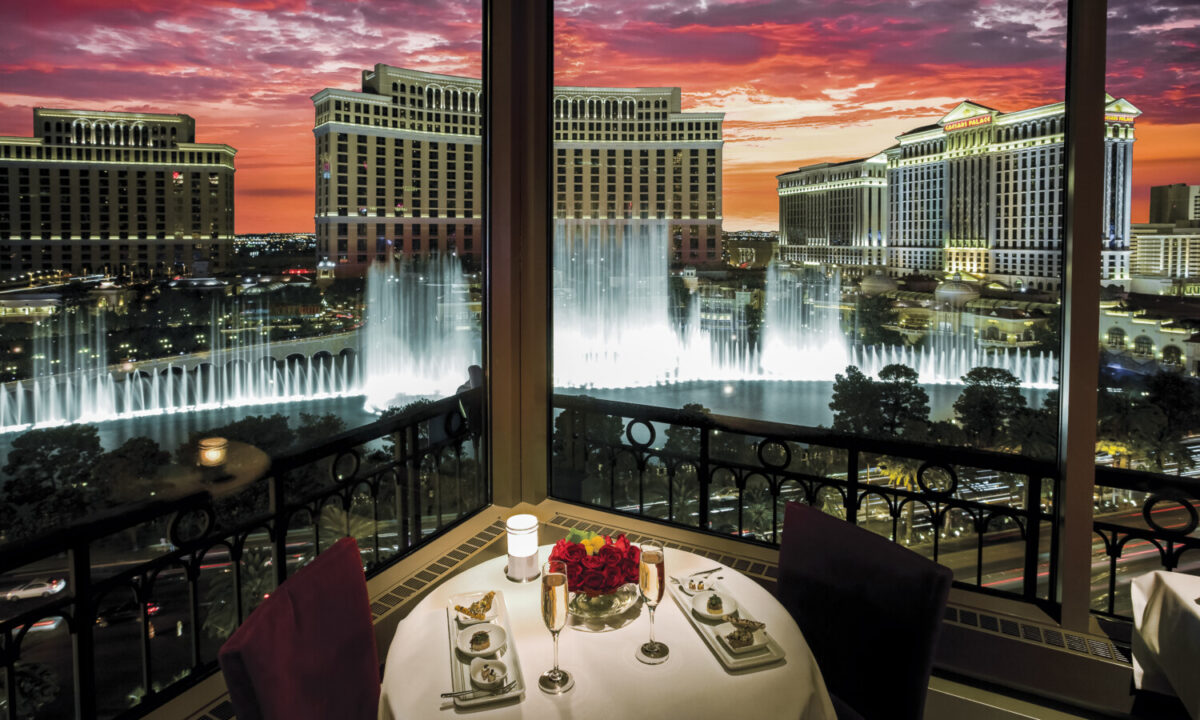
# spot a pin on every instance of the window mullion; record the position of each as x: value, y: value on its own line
x: 1081, y: 300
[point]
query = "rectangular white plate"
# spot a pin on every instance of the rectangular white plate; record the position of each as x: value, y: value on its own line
x: 768, y: 655
x: 460, y: 667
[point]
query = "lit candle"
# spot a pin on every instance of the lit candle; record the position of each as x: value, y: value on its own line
x: 212, y: 452
x: 522, y: 547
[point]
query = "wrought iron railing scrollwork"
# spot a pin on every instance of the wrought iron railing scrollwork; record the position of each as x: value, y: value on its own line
x: 1144, y: 521
x: 732, y: 476
x: 393, y: 485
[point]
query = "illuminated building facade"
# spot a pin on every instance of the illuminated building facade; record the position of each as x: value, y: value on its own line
x: 399, y: 166
x: 980, y: 192
x: 1164, y: 258
x: 631, y: 153
x: 114, y: 192
x: 835, y: 214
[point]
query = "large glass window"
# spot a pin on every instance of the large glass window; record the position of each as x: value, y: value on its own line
x: 1148, y: 392
x: 230, y: 233
x: 819, y: 218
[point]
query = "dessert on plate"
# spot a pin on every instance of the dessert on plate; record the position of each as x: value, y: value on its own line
x: 479, y: 609
x: 480, y: 641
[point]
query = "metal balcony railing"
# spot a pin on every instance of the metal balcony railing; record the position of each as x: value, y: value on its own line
x: 987, y: 515
x: 154, y: 589
x: 1144, y: 521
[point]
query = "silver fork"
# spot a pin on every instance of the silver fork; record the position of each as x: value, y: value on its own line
x: 481, y: 693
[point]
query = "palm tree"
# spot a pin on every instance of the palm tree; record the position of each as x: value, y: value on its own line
x: 258, y: 580
x: 902, y: 471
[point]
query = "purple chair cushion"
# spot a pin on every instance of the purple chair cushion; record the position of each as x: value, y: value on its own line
x: 869, y: 609
x: 308, y: 651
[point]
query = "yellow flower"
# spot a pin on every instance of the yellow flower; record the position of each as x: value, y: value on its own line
x: 593, y: 544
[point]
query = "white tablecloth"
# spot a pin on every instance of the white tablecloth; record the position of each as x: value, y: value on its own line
x: 1166, y: 638
x: 609, y: 680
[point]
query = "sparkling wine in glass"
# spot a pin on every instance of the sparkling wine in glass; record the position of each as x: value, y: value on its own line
x: 651, y: 581
x: 554, y: 613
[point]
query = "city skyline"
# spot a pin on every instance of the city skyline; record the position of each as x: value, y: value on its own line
x: 798, y: 85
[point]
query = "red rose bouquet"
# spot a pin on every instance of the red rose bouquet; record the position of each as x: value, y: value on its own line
x: 597, y: 564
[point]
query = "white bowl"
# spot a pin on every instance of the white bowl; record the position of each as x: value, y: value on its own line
x: 477, y: 666
x: 700, y: 605
x: 495, y: 633
x: 465, y: 601
x: 698, y: 583
x: 724, y: 629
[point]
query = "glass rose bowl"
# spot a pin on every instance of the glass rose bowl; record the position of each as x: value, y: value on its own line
x: 602, y: 574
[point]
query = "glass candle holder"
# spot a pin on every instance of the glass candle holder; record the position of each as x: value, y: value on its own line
x: 522, y: 548
x: 212, y: 452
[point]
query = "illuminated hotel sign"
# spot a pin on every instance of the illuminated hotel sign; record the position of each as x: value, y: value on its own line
x: 1119, y: 118
x: 967, y: 123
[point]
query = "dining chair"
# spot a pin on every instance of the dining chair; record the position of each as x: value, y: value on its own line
x: 869, y: 609
x: 308, y: 651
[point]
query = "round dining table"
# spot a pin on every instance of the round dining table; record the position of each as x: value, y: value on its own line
x: 610, y: 682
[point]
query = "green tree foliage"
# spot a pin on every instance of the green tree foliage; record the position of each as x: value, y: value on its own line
x: 855, y: 403
x: 871, y: 313
x: 903, y: 403
x: 1048, y: 334
x: 271, y: 434
x: 895, y: 404
x: 1177, y: 396
x: 581, y: 452
x: 130, y: 473
x: 315, y: 429
x: 48, y: 473
x: 1146, y: 421
x: 991, y: 399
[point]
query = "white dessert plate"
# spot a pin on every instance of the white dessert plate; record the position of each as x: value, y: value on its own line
x: 697, y: 583
x: 465, y: 600
x: 479, y: 665
x: 724, y: 629
x: 700, y: 605
x: 497, y: 638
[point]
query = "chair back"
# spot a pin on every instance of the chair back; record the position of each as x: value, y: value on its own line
x: 869, y: 609
x: 308, y: 651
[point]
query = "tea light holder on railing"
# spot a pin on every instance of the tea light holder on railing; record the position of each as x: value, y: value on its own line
x: 212, y: 452
x: 522, y: 548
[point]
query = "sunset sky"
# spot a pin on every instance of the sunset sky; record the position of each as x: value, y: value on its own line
x: 799, y: 81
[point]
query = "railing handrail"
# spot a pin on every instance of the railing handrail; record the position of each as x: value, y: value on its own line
x: 294, y: 458
x: 427, y: 442
x: 1145, y: 481
x: 22, y: 552
x: 18, y: 553
x: 1004, y: 462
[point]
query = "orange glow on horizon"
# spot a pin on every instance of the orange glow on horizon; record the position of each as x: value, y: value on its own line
x: 799, y: 83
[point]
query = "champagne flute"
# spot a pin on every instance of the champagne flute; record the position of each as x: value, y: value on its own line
x: 651, y: 574
x: 554, y: 613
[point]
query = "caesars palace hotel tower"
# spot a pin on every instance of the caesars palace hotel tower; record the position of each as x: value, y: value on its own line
x: 979, y: 192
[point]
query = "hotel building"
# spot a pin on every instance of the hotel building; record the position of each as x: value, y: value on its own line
x: 979, y: 192
x: 114, y: 192
x: 1165, y: 259
x: 399, y: 166
x: 835, y: 214
x: 1174, y: 203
